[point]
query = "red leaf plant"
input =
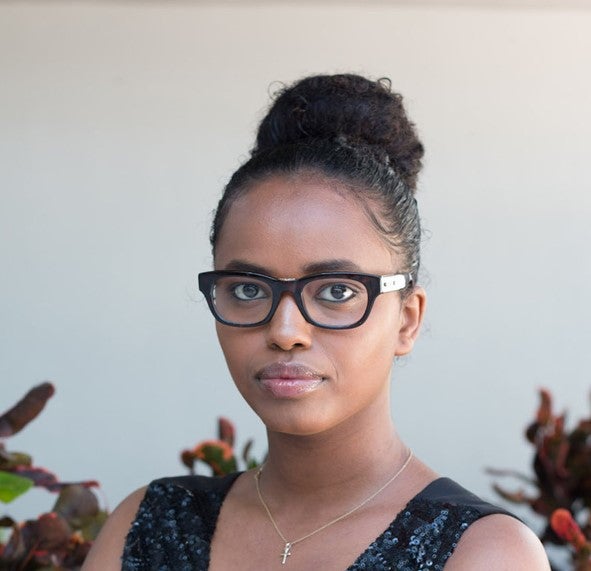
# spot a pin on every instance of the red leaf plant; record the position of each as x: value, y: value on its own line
x: 560, y: 490
x: 61, y: 538
x: 219, y: 453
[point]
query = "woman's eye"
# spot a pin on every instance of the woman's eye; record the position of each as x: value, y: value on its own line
x: 248, y: 291
x: 336, y: 293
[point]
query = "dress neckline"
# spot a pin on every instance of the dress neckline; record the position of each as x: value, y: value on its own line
x: 424, y: 494
x: 177, y: 519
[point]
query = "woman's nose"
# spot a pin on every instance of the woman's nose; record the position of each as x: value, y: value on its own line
x: 288, y: 328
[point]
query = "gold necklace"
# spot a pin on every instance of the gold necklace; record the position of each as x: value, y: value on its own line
x: 289, y: 544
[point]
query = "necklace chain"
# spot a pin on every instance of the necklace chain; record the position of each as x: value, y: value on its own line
x: 289, y: 544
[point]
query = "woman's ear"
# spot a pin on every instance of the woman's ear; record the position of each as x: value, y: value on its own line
x: 411, y: 318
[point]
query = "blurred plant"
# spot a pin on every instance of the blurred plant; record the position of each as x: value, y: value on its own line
x: 560, y: 490
x: 219, y: 454
x: 61, y: 538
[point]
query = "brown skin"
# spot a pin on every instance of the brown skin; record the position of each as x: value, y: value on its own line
x: 333, y: 447
x: 299, y: 230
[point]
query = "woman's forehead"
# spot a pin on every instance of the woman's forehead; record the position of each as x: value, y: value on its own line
x: 298, y: 223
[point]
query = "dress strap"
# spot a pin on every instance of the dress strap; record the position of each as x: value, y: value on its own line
x: 446, y: 491
x: 203, y: 484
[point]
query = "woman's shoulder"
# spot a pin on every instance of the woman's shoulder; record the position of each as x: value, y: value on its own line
x: 153, y: 506
x: 499, y: 542
x: 108, y: 546
x: 490, y: 537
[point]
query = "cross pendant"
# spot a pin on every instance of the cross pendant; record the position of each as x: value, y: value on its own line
x: 286, y: 553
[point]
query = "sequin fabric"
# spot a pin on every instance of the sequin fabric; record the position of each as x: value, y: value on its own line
x: 423, y: 536
x: 176, y: 520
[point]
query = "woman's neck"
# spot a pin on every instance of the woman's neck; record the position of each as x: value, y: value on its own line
x: 357, y: 454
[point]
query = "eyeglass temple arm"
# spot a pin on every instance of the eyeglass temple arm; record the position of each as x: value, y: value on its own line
x: 395, y: 282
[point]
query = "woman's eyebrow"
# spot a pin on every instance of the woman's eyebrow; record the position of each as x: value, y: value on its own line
x: 323, y: 266
x: 244, y: 266
x: 331, y: 266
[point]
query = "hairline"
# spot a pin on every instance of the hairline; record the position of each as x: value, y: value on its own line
x: 341, y: 185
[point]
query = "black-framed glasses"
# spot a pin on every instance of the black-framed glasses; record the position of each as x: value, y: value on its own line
x: 335, y: 300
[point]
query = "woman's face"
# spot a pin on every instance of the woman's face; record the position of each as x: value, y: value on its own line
x: 299, y: 378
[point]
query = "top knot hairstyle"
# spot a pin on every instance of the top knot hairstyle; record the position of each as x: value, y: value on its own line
x: 349, y: 129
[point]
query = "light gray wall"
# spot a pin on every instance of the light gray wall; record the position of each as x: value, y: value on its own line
x: 120, y: 123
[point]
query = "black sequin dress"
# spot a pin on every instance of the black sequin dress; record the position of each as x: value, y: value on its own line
x: 176, y: 520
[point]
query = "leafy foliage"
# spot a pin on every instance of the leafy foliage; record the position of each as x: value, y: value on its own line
x: 12, y: 486
x: 219, y: 453
x: 61, y: 538
x: 560, y: 490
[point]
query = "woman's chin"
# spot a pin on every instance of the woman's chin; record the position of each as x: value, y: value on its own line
x: 304, y: 422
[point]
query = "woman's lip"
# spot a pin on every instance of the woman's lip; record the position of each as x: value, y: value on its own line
x: 290, y: 388
x: 288, y: 380
x: 288, y: 371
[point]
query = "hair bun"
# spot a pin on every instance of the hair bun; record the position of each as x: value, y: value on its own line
x: 348, y: 107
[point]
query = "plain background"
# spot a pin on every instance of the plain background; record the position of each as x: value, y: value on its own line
x: 120, y: 122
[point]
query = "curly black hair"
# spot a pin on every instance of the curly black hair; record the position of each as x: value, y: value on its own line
x: 351, y: 129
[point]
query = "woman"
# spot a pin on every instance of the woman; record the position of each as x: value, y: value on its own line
x: 316, y: 255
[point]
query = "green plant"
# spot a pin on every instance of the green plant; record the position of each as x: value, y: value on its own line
x: 560, y: 490
x: 219, y: 453
x: 61, y: 538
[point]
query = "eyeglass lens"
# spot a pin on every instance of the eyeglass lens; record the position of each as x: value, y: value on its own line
x: 329, y: 301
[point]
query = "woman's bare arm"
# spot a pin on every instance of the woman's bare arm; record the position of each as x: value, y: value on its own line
x: 106, y: 552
